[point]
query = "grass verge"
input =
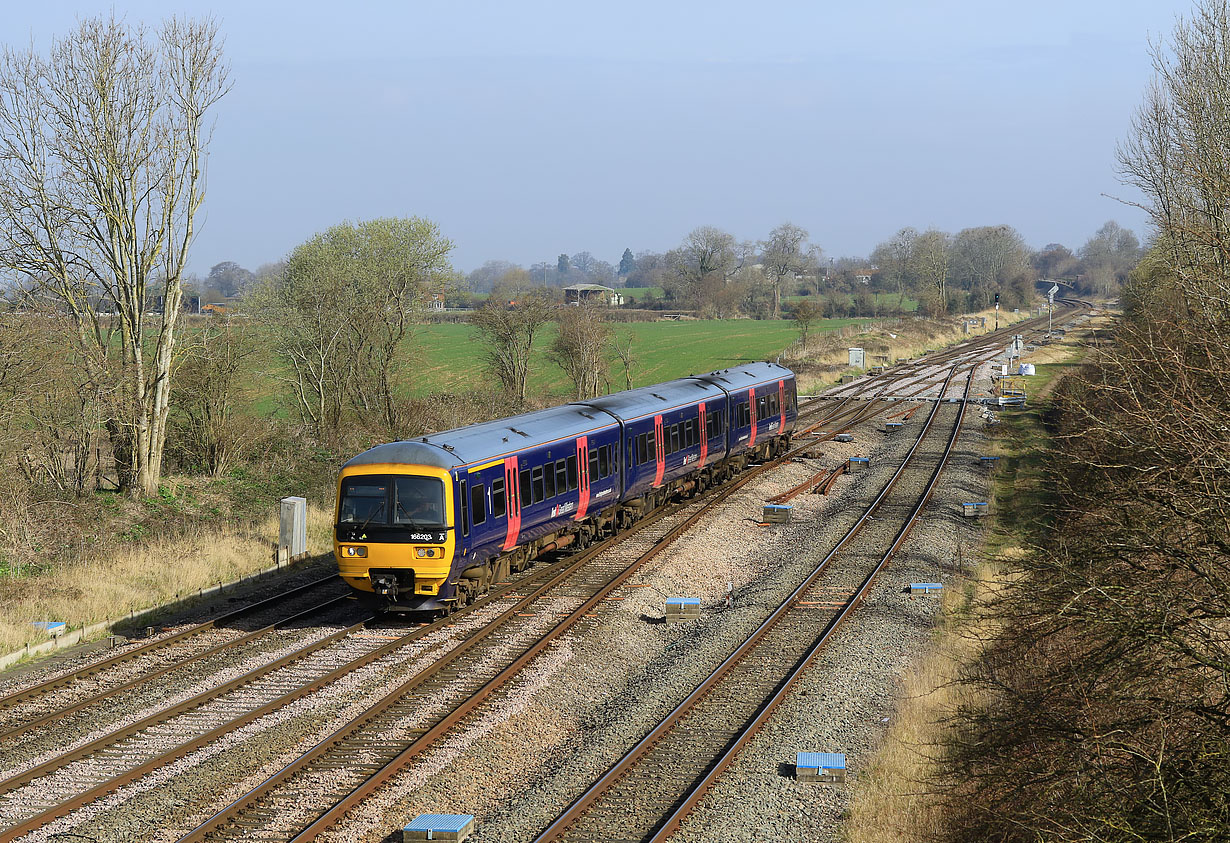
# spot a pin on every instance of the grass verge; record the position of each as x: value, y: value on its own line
x: 895, y: 800
x: 156, y: 572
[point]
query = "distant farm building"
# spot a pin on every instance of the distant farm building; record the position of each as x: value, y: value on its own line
x: 584, y: 293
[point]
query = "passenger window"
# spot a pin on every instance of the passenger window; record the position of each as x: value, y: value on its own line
x: 675, y: 446
x: 497, y: 499
x: 478, y: 504
x: 593, y: 464
x: 561, y: 477
x: 538, y: 485
x: 548, y: 480
x: 572, y: 472
x: 642, y: 452
x: 604, y: 461
x: 527, y: 493
x: 465, y: 511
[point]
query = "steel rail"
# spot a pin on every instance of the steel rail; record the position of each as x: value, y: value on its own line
x: 557, y: 829
x: 97, y: 792
x: 458, y: 713
x: 562, y: 571
x: 150, y: 646
x: 692, y: 799
x: 145, y: 678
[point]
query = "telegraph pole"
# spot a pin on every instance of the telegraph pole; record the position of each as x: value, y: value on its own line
x: 997, y: 311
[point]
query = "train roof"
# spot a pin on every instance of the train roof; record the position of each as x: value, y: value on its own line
x: 486, y: 441
x: 747, y: 375
x: 651, y: 400
x: 491, y: 440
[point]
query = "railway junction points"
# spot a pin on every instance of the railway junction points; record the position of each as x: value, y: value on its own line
x: 562, y: 706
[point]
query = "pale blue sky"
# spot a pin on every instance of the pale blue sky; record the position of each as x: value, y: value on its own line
x: 532, y: 128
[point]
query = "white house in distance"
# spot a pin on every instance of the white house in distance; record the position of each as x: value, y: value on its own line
x: 578, y: 293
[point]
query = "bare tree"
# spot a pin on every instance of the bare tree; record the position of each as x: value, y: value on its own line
x: 342, y: 309
x: 580, y: 347
x: 701, y: 269
x: 805, y: 314
x: 507, y: 325
x: 208, y: 428
x: 1176, y: 154
x: 102, y: 147
x: 895, y: 257
x: 932, y: 261
x: 987, y: 258
x: 622, y: 347
x: 786, y: 255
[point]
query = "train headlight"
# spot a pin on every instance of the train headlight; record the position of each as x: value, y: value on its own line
x: 355, y: 551
x: 422, y: 552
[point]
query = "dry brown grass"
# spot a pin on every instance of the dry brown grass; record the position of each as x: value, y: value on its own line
x: 894, y: 800
x: 822, y: 362
x: 140, y: 577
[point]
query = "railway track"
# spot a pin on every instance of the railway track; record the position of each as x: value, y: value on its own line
x: 161, y: 655
x: 830, y: 418
x: 37, y: 794
x: 647, y: 794
x: 349, y: 765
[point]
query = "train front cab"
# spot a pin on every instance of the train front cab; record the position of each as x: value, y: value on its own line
x: 393, y: 538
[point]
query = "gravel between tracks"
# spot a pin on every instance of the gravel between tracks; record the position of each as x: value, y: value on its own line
x: 579, y: 707
x: 610, y: 682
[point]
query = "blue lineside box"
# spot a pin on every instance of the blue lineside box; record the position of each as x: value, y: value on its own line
x: 820, y: 767
x: 988, y: 463
x: 844, y: 437
x: 439, y: 827
x: 859, y: 463
x: 892, y: 426
x: 776, y: 513
x: 926, y: 588
x: 682, y: 609
x: 52, y: 628
x: 973, y: 509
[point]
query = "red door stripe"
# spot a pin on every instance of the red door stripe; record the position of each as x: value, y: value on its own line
x: 512, y: 491
x: 781, y: 405
x: 751, y: 406
x: 659, y: 451
x: 704, y: 436
x: 583, y: 474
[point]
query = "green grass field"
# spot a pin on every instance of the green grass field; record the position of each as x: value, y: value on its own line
x: 447, y: 358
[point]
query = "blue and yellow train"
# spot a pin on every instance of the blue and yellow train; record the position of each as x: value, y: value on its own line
x: 430, y: 524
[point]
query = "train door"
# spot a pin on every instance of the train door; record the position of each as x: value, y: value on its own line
x: 659, y: 451
x: 583, y: 476
x: 751, y: 409
x: 512, y: 483
x: 703, y: 428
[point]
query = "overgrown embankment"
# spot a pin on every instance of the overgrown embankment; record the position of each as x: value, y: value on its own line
x: 897, y: 800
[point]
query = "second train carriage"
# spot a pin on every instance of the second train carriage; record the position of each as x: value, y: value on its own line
x: 429, y: 524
